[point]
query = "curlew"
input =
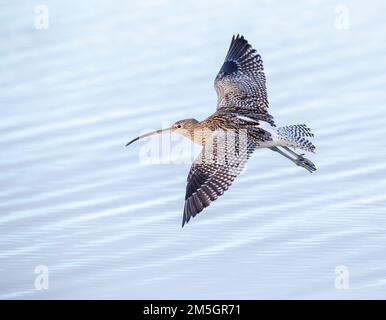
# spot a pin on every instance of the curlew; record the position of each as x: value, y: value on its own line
x: 240, y: 125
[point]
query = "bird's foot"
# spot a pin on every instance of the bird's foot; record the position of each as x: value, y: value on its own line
x: 305, y: 163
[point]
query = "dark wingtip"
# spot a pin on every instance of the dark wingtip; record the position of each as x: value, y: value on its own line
x: 185, y: 216
x: 239, y: 45
x: 185, y: 219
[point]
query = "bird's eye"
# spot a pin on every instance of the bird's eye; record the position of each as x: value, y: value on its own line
x: 178, y: 126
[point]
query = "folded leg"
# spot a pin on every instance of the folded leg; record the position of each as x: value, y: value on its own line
x: 298, y: 159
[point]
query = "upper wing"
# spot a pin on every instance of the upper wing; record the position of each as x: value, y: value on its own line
x: 212, y: 173
x: 240, y: 82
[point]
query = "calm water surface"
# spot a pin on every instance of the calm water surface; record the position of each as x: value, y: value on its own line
x: 108, y: 225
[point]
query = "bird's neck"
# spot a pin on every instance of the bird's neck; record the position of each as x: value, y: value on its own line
x: 195, y: 133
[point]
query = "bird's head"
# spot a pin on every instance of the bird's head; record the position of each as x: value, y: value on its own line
x: 184, y: 127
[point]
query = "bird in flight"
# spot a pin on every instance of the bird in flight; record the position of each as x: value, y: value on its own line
x: 240, y: 125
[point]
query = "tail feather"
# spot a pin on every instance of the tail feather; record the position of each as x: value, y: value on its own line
x: 297, y: 134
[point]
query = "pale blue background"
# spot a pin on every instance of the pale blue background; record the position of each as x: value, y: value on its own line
x: 108, y: 226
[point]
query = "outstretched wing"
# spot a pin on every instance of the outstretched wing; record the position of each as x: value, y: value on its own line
x: 212, y: 173
x: 240, y: 82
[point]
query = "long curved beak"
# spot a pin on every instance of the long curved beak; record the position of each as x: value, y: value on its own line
x: 147, y: 135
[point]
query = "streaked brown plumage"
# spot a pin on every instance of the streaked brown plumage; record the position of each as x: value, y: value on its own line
x: 240, y: 125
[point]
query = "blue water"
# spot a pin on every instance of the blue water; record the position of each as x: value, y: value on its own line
x: 108, y: 225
